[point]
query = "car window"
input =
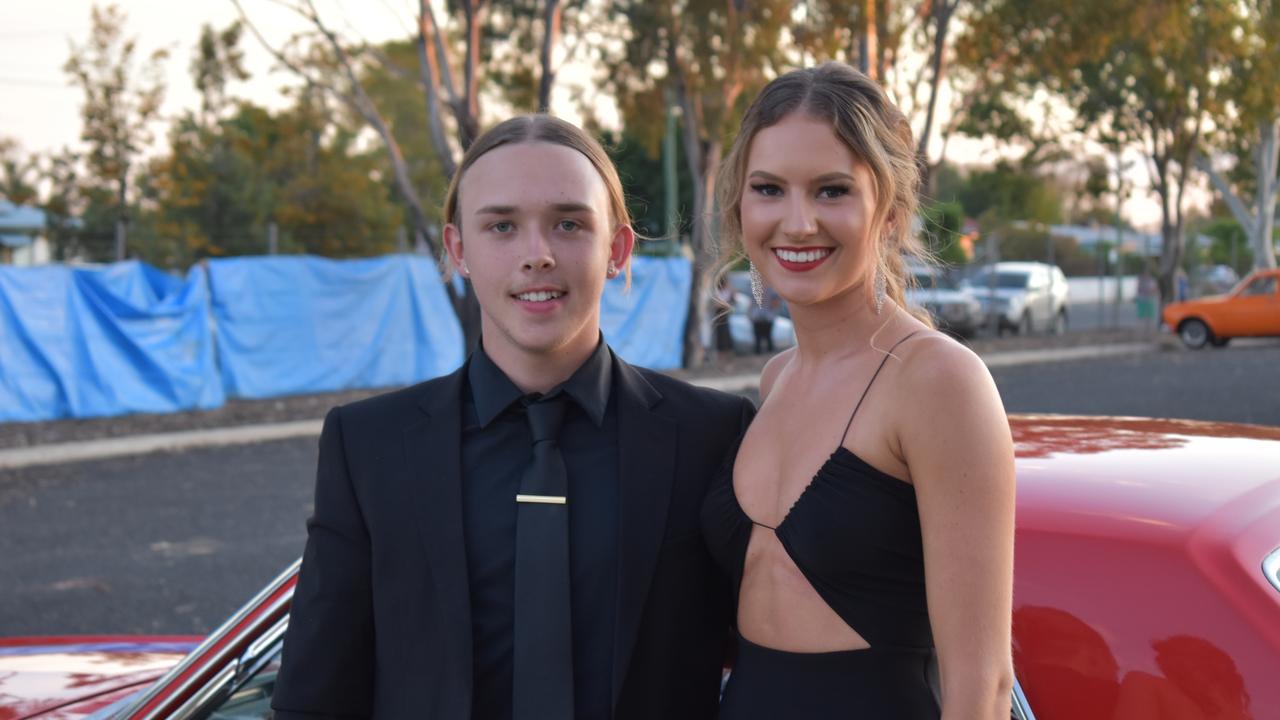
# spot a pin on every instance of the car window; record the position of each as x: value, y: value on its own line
x: 251, y: 697
x: 1260, y: 286
x: 1006, y: 279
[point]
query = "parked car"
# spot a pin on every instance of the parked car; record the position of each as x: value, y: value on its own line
x: 1023, y: 297
x: 1146, y: 586
x: 1252, y: 309
x: 950, y: 302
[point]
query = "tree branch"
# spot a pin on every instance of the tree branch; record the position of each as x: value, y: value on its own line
x: 430, y: 76
x: 1220, y: 184
x: 550, y: 34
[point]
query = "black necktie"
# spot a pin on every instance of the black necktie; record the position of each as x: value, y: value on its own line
x: 543, y: 680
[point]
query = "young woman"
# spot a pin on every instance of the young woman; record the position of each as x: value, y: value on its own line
x: 868, y: 516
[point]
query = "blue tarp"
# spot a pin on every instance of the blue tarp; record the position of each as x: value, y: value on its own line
x: 293, y: 324
x: 646, y: 325
x: 81, y: 342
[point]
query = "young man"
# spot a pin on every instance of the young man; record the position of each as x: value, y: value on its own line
x: 519, y: 539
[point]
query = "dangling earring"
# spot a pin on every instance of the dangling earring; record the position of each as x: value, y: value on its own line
x: 881, y: 290
x: 757, y: 286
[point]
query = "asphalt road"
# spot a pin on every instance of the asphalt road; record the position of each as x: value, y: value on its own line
x: 173, y: 543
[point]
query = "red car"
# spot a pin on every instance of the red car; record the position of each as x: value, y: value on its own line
x: 1147, y: 586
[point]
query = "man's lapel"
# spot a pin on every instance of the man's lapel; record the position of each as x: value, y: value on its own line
x: 433, y: 452
x: 647, y: 463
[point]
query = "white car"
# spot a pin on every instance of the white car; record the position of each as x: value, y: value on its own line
x: 1024, y: 297
x: 952, y: 304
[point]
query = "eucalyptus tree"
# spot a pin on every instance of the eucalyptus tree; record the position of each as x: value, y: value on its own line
x: 1248, y: 132
x: 1136, y: 73
x: 121, y: 101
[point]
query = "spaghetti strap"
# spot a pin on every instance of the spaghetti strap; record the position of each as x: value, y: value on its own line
x: 867, y: 389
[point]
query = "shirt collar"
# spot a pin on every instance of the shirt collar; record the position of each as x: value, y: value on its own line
x: 589, y: 386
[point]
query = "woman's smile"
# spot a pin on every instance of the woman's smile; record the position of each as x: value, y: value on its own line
x: 801, y: 259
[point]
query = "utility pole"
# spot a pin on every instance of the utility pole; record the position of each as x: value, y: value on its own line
x: 670, y: 181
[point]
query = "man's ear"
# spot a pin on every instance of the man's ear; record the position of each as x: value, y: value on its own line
x: 620, y: 247
x: 453, y: 246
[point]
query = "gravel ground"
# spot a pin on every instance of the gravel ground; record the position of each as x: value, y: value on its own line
x: 307, y: 407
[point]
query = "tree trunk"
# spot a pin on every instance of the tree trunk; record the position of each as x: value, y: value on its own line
x: 694, y: 353
x: 550, y: 35
x: 868, y: 42
x: 431, y: 71
x: 1264, y: 246
x: 942, y: 12
x: 467, y: 108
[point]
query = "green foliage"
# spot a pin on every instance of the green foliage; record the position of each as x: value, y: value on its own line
x: 1008, y: 193
x: 942, y: 226
x: 641, y: 174
x: 221, y: 187
x: 1032, y: 243
x: 17, y: 174
x: 1229, y: 246
x: 120, y: 101
x: 217, y: 62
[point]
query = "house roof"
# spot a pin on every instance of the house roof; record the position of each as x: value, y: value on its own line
x: 20, y: 219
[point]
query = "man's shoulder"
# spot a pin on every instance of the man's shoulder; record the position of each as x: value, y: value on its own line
x: 395, y: 405
x: 686, y: 395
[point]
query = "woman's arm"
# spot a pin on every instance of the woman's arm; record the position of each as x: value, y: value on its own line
x: 955, y: 438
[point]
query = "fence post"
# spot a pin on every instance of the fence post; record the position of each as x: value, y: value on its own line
x: 273, y: 238
x: 120, y: 240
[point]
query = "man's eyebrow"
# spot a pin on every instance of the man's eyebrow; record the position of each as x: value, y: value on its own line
x: 572, y: 207
x: 567, y: 207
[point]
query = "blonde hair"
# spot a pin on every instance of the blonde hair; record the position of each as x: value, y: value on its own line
x: 875, y: 131
x: 541, y: 127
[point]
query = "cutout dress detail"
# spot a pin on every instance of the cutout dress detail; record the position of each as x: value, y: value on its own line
x: 854, y: 533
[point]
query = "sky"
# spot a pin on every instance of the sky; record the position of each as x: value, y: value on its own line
x: 42, y: 111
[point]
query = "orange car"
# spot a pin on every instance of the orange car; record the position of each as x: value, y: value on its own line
x: 1252, y: 309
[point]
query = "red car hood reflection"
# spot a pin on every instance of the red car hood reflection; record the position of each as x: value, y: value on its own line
x: 1165, y: 474
x: 76, y: 675
x: 1139, y: 589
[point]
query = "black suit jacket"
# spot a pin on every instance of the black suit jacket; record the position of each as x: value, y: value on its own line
x: 381, y: 618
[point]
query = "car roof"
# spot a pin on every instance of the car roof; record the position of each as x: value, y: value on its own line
x: 1019, y: 265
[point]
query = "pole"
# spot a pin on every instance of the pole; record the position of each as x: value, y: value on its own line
x: 273, y: 239
x: 402, y: 240
x: 670, y: 181
x: 120, y: 240
x: 993, y: 316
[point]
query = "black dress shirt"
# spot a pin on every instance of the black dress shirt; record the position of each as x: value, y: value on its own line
x: 496, y: 448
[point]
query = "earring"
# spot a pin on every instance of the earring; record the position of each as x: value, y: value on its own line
x: 757, y: 286
x: 466, y: 272
x: 881, y: 290
x: 612, y: 272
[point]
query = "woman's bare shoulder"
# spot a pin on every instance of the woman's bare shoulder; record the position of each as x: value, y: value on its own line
x: 772, y: 369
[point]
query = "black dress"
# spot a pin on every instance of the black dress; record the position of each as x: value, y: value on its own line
x: 854, y: 533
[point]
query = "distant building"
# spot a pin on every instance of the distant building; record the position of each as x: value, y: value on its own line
x: 22, y: 240
x: 1088, y: 237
